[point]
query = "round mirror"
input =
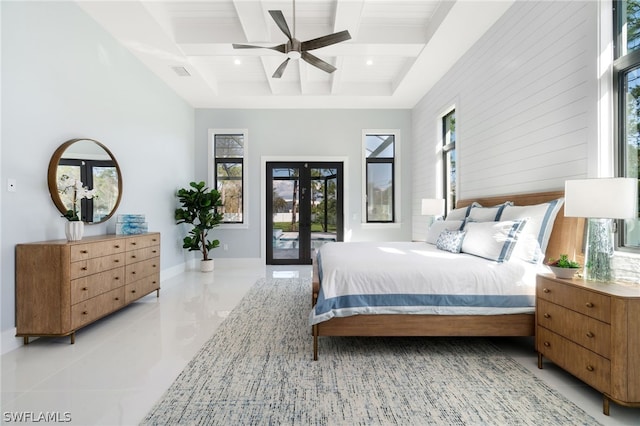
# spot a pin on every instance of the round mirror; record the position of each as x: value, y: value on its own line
x: 85, y: 180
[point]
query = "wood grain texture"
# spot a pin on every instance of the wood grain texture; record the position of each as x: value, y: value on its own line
x: 62, y: 286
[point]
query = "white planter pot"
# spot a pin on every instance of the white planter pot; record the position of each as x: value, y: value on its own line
x: 206, y: 265
x: 74, y: 230
x: 563, y: 272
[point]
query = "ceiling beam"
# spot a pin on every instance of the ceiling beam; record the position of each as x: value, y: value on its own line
x: 348, y: 16
x: 253, y: 18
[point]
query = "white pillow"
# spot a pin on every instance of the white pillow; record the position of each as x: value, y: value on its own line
x: 462, y: 212
x: 440, y: 225
x: 535, y: 235
x: 488, y: 214
x: 492, y: 240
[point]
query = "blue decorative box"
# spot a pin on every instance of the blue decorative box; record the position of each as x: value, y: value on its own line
x: 131, y: 218
x: 131, y: 224
x: 131, y: 228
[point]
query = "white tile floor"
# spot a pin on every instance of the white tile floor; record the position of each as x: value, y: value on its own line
x: 120, y: 366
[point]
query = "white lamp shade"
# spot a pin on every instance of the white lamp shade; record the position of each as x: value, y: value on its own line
x: 433, y: 206
x: 603, y: 198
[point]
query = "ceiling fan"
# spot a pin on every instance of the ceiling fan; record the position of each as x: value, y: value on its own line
x: 295, y: 49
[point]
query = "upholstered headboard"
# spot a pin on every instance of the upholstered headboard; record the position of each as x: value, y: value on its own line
x: 567, y: 236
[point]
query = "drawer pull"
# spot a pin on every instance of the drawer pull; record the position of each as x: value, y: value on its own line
x: 133, y: 256
x: 590, y: 368
x: 589, y: 305
x: 590, y: 334
x: 154, y: 251
x: 117, y: 246
x: 84, y: 268
x: 84, y: 251
x: 154, y: 240
x: 116, y: 278
x: 153, y: 282
x: 546, y: 290
x: 547, y: 344
x: 117, y: 298
x: 133, y: 272
x: 133, y: 291
x: 85, y: 313
x: 154, y: 265
x: 117, y: 260
x: 547, y: 316
x: 133, y: 243
x: 84, y: 289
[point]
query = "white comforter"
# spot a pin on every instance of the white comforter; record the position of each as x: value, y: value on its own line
x: 417, y: 278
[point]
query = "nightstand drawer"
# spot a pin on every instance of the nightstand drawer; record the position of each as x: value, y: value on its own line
x: 577, y: 299
x: 582, y: 363
x: 97, y: 249
x: 581, y: 329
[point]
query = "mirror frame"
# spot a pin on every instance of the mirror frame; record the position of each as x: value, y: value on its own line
x: 52, y: 175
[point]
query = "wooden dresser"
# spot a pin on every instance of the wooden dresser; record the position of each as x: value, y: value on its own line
x: 592, y: 330
x: 62, y: 286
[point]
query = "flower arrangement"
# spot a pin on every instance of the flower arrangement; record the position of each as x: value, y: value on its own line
x: 75, y: 189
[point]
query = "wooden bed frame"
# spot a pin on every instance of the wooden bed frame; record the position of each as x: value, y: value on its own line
x: 566, y: 238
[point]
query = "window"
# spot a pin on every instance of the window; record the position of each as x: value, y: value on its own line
x: 449, y: 159
x: 627, y: 106
x: 229, y: 150
x: 380, y: 153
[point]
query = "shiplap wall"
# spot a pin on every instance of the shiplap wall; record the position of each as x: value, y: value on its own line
x: 526, y: 106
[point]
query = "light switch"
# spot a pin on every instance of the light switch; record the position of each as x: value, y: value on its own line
x: 11, y: 185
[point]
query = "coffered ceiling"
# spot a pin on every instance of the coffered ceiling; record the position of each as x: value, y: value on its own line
x: 398, y: 49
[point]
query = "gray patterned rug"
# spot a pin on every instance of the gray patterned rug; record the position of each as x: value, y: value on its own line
x: 258, y: 369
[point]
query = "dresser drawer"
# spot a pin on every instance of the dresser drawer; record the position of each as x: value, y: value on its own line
x: 98, y: 249
x: 587, y: 302
x: 96, y: 307
x: 138, y: 255
x: 141, y: 288
x: 589, y: 367
x: 143, y: 241
x: 91, y: 286
x: 139, y: 270
x: 93, y: 266
x: 581, y: 329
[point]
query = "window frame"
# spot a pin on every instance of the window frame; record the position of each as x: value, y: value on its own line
x: 213, y: 176
x: 447, y: 147
x: 622, y: 65
x: 395, y: 206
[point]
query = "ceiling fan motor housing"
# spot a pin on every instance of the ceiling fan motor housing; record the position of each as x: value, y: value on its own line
x: 293, y: 49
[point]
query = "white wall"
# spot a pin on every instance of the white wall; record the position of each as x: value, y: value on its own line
x: 307, y: 134
x: 63, y: 77
x: 525, y: 97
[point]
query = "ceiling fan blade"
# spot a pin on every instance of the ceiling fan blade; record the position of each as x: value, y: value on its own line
x: 280, y: 69
x: 279, y: 48
x: 327, y: 40
x: 281, y: 22
x: 317, y: 62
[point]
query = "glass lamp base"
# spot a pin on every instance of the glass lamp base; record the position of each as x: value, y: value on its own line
x: 599, y: 250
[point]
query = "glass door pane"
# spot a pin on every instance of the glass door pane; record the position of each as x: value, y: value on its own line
x: 324, y: 206
x: 285, y: 193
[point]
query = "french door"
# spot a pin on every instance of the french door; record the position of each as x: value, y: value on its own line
x: 304, y: 209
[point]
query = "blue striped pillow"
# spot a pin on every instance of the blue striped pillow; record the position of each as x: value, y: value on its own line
x: 492, y: 240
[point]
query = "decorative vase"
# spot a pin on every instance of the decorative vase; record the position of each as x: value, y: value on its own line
x: 206, y: 265
x: 563, y: 272
x: 74, y: 230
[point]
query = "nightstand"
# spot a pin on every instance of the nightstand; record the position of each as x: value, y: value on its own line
x: 592, y: 330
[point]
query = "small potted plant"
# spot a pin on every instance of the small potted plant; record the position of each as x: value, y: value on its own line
x: 74, y: 191
x: 563, y: 267
x: 201, y: 209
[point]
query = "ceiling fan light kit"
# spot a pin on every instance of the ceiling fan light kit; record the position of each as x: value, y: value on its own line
x: 295, y: 49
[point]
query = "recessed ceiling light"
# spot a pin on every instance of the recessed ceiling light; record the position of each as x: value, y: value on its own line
x: 369, y: 62
x: 237, y: 61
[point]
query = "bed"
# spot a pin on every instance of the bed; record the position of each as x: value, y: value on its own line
x: 507, y: 319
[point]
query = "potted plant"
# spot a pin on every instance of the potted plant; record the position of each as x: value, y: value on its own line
x: 201, y: 209
x: 563, y: 267
x: 74, y: 191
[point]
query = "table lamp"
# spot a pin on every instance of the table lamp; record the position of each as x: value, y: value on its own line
x: 600, y: 200
x: 432, y: 207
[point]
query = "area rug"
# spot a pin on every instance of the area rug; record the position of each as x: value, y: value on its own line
x: 257, y: 369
